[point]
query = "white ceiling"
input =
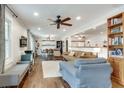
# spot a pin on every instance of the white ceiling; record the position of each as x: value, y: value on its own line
x: 100, y: 30
x: 88, y: 13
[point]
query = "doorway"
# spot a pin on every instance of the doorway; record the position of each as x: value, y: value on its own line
x: 59, y: 45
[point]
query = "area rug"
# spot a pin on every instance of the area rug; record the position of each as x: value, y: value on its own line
x: 50, y: 69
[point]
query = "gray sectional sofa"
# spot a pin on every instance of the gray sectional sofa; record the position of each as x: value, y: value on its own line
x: 87, y: 73
x: 79, y: 54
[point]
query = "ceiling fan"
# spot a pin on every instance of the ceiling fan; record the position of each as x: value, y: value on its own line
x: 60, y: 21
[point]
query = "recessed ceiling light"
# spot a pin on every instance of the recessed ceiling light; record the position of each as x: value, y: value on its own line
x: 101, y: 32
x: 36, y: 14
x: 78, y: 18
x: 64, y: 30
x: 76, y: 36
x: 39, y: 28
x: 52, y: 35
x: 79, y: 38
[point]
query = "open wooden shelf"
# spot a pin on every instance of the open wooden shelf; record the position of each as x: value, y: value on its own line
x: 115, y: 25
x: 83, y: 47
x: 77, y: 41
x: 115, y: 46
x: 48, y: 45
x: 48, y: 40
x: 116, y: 16
x: 116, y: 52
x: 116, y: 34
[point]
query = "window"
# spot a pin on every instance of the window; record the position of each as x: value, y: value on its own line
x: 7, y: 38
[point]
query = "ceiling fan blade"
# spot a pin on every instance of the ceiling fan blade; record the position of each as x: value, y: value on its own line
x: 58, y: 26
x: 53, y: 24
x: 51, y: 20
x: 67, y: 24
x: 66, y: 19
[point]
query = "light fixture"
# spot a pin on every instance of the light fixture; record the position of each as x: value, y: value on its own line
x: 52, y: 35
x: 76, y: 36
x: 36, y: 14
x: 101, y: 32
x: 64, y: 30
x: 78, y: 18
x: 39, y: 28
x: 79, y: 38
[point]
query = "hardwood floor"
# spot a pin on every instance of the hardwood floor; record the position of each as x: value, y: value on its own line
x: 35, y: 79
x: 116, y: 85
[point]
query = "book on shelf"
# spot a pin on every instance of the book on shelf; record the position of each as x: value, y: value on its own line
x: 116, y: 21
x: 115, y: 41
x: 116, y: 29
x: 118, y: 40
x: 116, y: 52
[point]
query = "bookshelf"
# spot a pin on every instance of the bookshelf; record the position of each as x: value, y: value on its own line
x: 116, y: 46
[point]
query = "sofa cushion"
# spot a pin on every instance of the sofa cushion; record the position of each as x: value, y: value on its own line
x: 88, y: 55
x: 76, y: 53
x: 25, y: 62
x: 82, y: 54
x: 71, y: 54
x: 69, y: 58
x: 79, y: 62
x: 79, y: 54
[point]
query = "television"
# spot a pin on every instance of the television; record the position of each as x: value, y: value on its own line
x: 23, y: 41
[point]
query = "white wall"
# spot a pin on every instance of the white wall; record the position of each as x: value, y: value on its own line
x: 32, y: 42
x: 17, y: 31
x: 41, y: 43
x: 94, y: 39
x: 97, y: 39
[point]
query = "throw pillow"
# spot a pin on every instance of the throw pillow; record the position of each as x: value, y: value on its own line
x: 83, y: 54
x: 79, y: 62
x: 71, y: 54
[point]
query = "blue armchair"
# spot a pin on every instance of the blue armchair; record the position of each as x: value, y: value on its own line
x: 26, y: 59
x: 86, y: 73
